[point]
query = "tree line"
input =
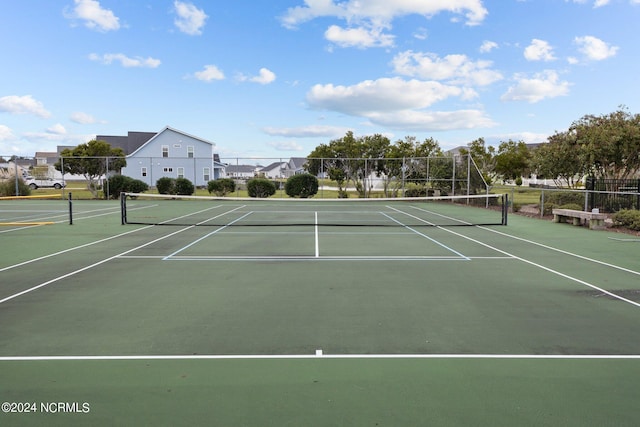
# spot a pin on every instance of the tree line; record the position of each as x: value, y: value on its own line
x: 603, y: 147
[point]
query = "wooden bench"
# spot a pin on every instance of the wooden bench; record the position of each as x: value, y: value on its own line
x: 596, y: 220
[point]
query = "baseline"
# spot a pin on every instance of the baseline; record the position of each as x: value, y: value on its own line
x: 321, y: 355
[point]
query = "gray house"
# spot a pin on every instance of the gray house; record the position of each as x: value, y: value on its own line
x: 168, y: 153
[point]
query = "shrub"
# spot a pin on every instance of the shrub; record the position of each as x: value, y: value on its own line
x: 627, y: 218
x: 260, y: 188
x: 184, y: 187
x: 222, y: 186
x: 121, y: 183
x: 8, y: 188
x: 302, y: 185
x: 564, y: 198
x: 415, y: 190
x: 165, y: 185
x: 573, y: 206
x: 137, y: 186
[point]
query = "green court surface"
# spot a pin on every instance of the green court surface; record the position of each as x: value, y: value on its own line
x: 533, y: 323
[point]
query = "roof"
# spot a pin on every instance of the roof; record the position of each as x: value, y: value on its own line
x: 297, y: 162
x: 241, y: 168
x: 134, y: 141
x: 46, y: 154
x: 274, y: 165
x: 129, y: 143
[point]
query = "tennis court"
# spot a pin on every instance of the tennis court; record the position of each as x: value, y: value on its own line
x: 310, y: 313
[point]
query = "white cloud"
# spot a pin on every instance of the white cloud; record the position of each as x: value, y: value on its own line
x: 487, y: 46
x: 358, y: 37
x: 265, y: 77
x: 596, y: 3
x: 542, y: 86
x: 57, y: 129
x: 452, y: 68
x: 285, y: 146
x: 6, y: 134
x: 23, y: 105
x: 126, y: 61
x: 386, y: 94
x: 539, y: 50
x: 398, y: 103
x: 382, y: 12
x: 209, y: 74
x: 306, y: 131
x: 82, y: 118
x: 595, y: 49
x: 95, y: 17
x: 190, y: 19
x: 411, y: 120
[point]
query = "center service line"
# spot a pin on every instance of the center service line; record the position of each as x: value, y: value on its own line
x: 317, y: 238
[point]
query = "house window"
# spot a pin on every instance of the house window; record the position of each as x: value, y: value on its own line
x: 143, y: 171
x: 180, y: 172
x: 190, y: 151
x: 165, y: 151
x: 206, y: 174
x: 168, y: 170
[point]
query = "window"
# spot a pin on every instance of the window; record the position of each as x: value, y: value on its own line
x: 206, y: 173
x: 165, y: 151
x: 190, y: 151
x: 167, y: 170
x: 180, y: 172
x: 143, y: 172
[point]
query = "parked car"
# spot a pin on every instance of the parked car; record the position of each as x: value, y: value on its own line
x: 45, y: 183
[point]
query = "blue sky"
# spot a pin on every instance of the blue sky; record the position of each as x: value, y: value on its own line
x: 277, y: 78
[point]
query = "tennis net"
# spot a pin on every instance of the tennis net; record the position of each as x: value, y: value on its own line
x: 137, y: 208
x: 35, y: 210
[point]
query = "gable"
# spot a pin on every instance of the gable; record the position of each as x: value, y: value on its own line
x: 177, y: 144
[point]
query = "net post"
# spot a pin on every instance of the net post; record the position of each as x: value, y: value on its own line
x: 70, y: 209
x: 505, y: 209
x: 123, y: 208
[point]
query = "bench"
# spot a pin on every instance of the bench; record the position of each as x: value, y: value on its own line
x: 596, y: 220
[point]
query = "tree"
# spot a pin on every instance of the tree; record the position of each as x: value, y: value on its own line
x: 92, y: 160
x: 512, y: 159
x: 184, y: 187
x: 302, y: 185
x: 609, y: 144
x: 484, y: 157
x: 560, y: 159
x: 260, y: 188
x: 121, y: 183
x: 222, y: 186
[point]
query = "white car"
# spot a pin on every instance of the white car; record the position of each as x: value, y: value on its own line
x: 45, y: 183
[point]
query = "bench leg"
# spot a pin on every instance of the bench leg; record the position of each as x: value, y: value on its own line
x: 576, y: 221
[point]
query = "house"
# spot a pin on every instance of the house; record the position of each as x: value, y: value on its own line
x: 295, y: 166
x: 168, y: 153
x: 241, y: 171
x: 273, y: 171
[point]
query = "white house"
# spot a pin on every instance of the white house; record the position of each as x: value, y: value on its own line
x: 274, y: 170
x: 175, y: 154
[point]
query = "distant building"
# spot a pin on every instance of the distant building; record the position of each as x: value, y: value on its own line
x: 168, y: 153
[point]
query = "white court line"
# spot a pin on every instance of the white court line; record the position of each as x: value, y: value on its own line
x: 317, y: 237
x: 80, y: 270
x: 319, y: 354
x: 313, y: 258
x: 617, y: 267
x: 212, y: 233
x: 422, y: 234
x: 550, y: 270
x: 72, y: 249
